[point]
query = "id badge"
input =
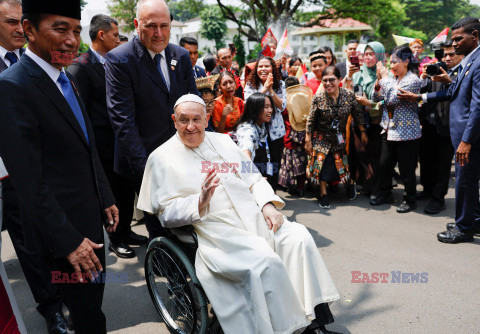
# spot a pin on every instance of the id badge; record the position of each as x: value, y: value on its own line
x: 340, y: 138
x: 269, y: 168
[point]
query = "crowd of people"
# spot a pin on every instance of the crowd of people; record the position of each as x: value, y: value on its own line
x: 81, y: 135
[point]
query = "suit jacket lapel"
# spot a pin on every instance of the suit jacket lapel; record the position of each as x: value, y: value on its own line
x: 172, y: 67
x: 96, y: 64
x: 52, y: 93
x: 465, y: 70
x: 148, y: 64
x: 90, y: 133
x: 3, y: 66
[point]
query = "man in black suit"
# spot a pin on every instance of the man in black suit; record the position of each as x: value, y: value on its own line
x: 191, y: 45
x: 36, y: 269
x: 436, y: 149
x: 48, y: 146
x: 89, y: 71
x: 145, y: 77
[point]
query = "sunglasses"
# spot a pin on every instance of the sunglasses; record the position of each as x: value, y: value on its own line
x: 331, y: 80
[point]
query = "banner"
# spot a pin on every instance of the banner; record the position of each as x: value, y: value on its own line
x: 269, y: 37
x: 441, y: 37
x: 400, y: 40
x: 284, y: 46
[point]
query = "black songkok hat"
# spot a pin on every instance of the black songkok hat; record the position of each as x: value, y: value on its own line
x: 68, y: 8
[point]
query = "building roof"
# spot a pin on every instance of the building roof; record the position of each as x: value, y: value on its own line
x: 333, y: 25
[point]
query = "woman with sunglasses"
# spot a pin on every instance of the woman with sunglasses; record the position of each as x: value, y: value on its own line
x: 228, y: 108
x: 325, y: 136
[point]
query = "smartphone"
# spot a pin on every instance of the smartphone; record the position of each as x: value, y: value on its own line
x: 358, y: 90
x: 354, y: 60
x: 232, y: 48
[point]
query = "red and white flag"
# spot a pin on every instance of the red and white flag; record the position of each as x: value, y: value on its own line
x: 302, y: 74
x: 441, y: 37
x: 269, y: 37
x: 283, y: 46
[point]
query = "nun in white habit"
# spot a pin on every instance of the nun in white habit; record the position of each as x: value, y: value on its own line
x: 262, y: 273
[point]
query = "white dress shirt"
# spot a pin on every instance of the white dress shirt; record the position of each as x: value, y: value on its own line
x: 3, y: 53
x: 163, y: 65
x: 100, y: 58
x: 52, y: 71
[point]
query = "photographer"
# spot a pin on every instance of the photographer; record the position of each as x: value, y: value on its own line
x: 436, y: 150
x: 464, y: 97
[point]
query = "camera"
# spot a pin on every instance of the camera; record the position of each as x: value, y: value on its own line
x: 434, y: 68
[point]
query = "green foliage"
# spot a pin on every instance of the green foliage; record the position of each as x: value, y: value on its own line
x: 124, y: 12
x: 83, y: 3
x: 213, y: 26
x: 240, y: 56
x: 432, y: 16
x: 184, y: 10
x: 255, y: 52
x: 83, y: 47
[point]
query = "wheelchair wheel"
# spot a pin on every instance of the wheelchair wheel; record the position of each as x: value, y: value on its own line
x: 175, y: 289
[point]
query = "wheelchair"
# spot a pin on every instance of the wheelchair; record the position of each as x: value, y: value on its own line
x: 174, y: 287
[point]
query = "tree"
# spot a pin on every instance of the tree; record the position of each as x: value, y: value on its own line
x: 124, y: 12
x: 184, y: 10
x: 213, y: 25
x: 83, y: 3
x: 240, y: 56
x: 432, y: 16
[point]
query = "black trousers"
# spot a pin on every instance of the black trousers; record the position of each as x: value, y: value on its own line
x: 436, y: 153
x: 37, y: 264
x: 406, y: 154
x: 124, y: 192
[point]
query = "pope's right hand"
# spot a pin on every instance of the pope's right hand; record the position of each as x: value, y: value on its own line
x: 209, y: 185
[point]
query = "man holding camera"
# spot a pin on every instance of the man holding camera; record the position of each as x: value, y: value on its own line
x: 464, y: 96
x: 436, y: 150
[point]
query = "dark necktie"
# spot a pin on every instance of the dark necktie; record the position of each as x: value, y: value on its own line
x: 72, y: 101
x: 12, y: 57
x: 158, y: 62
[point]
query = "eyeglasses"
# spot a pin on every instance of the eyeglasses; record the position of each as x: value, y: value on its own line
x: 331, y: 80
x: 210, y: 103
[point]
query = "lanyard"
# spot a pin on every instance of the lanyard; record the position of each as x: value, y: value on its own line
x: 268, y: 149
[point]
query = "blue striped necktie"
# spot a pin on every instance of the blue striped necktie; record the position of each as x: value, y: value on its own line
x: 72, y: 101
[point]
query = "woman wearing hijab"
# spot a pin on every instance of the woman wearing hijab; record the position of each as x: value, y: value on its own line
x: 365, y: 158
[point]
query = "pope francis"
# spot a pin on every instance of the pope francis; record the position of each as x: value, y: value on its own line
x: 262, y: 273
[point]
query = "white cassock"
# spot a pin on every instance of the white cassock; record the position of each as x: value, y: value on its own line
x: 256, y: 281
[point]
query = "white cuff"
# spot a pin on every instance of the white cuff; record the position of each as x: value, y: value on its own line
x: 424, y: 98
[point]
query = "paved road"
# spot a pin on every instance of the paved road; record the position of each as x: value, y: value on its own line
x: 351, y: 236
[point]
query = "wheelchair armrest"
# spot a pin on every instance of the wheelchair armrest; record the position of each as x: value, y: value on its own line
x: 186, y: 234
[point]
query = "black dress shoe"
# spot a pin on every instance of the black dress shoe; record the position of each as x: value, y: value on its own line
x: 454, y: 236
x: 381, y: 199
x: 422, y: 195
x: 56, y: 324
x: 435, y: 206
x: 323, y: 330
x: 121, y: 249
x: 451, y: 226
x: 135, y: 239
x: 406, y: 207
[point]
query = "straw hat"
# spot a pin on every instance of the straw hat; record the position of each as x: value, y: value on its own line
x: 206, y: 82
x: 299, y: 101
